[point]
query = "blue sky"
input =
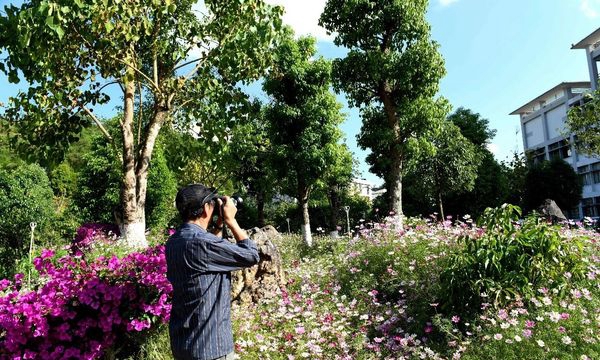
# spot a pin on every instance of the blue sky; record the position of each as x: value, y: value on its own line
x: 499, y: 55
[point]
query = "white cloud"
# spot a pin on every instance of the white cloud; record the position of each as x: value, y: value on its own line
x: 303, y: 16
x: 590, y: 8
x: 447, y: 2
x: 493, y: 148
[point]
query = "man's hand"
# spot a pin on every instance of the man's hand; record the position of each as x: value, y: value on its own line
x: 229, y: 211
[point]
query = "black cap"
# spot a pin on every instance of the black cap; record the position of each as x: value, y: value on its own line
x: 191, y: 199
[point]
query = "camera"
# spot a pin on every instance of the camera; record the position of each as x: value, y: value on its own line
x: 235, y: 198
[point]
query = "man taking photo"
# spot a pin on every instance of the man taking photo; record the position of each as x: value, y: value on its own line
x: 199, y: 265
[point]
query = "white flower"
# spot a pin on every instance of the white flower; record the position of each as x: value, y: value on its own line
x: 518, y: 338
x: 541, y: 343
x: 546, y: 300
x: 567, y: 340
x: 554, y: 316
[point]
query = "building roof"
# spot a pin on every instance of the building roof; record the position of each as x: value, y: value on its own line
x: 591, y: 39
x: 562, y: 86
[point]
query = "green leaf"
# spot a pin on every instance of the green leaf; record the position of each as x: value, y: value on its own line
x: 109, y: 26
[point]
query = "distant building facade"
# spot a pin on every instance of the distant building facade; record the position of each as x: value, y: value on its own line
x: 545, y: 136
x: 366, y: 189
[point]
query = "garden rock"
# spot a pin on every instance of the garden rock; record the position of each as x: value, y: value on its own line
x: 262, y: 281
x: 551, y: 211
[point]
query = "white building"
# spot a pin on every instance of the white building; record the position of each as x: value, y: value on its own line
x: 365, y: 188
x: 544, y: 135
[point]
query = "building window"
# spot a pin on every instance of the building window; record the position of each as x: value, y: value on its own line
x: 589, y: 174
x: 560, y: 150
x: 595, y: 168
x: 537, y: 155
x: 585, y: 175
x: 590, y: 207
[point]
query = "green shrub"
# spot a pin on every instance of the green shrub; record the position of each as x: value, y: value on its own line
x: 98, y: 187
x: 508, y: 260
x: 25, y: 197
x: 162, y: 189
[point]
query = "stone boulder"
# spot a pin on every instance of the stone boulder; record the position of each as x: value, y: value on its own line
x: 263, y: 280
x: 551, y: 211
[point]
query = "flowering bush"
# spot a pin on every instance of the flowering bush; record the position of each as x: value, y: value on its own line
x: 88, y: 234
x: 79, y: 309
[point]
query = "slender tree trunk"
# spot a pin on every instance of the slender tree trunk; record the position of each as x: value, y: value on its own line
x: 396, y: 187
x: 260, y: 204
x: 334, y: 202
x: 441, y: 205
x: 397, y: 155
x: 303, y: 193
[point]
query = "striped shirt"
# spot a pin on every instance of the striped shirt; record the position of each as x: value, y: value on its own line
x: 198, y: 266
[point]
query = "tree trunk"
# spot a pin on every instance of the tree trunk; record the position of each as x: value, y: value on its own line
x: 260, y: 204
x: 132, y: 218
x: 396, y: 188
x: 384, y: 93
x: 334, y: 202
x: 303, y: 192
x: 441, y: 205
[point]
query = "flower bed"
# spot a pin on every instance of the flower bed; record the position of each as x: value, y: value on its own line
x: 79, y: 309
x: 381, y: 297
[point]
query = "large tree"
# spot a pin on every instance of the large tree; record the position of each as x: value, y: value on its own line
x: 492, y: 184
x: 177, y: 57
x: 584, y: 122
x: 453, y: 167
x: 554, y: 179
x: 391, y: 64
x: 473, y: 126
x: 304, y: 117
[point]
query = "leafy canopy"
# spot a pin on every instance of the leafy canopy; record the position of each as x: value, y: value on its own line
x: 182, y: 54
x: 303, y: 114
x: 390, y: 49
x: 583, y: 122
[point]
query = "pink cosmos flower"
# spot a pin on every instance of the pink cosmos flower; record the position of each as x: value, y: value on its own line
x: 530, y: 324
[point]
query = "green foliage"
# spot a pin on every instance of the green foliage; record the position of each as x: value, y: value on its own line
x: 556, y: 180
x: 508, y: 261
x: 303, y: 117
x: 453, y: 168
x: 391, y: 71
x: 185, y: 62
x: 472, y: 126
x: 63, y: 180
x: 516, y: 171
x: 162, y: 188
x: 98, y: 184
x: 25, y: 197
x: 492, y: 188
x: 582, y: 121
x: 98, y: 187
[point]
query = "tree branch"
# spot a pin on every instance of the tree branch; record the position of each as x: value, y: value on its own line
x: 95, y: 119
x: 150, y: 81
